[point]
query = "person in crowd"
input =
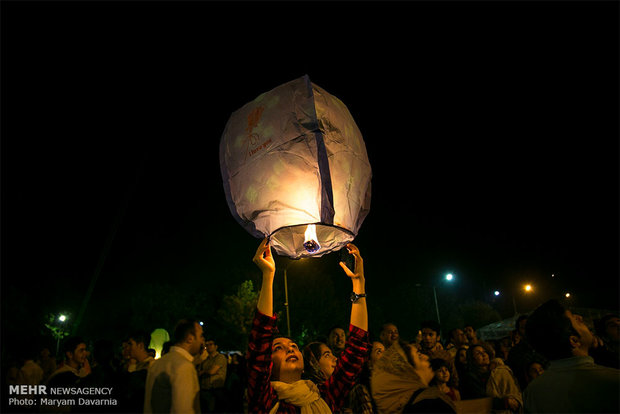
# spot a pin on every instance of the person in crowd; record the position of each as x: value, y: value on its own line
x: 417, y: 342
x: 534, y: 370
x: 400, y: 383
x: 431, y: 346
x: 30, y: 372
x: 152, y: 352
x: 212, y: 377
x: 236, y: 382
x: 360, y: 398
x: 336, y: 340
x: 76, y: 366
x: 47, y: 363
x: 572, y: 383
x: 275, y: 364
x: 460, y: 362
x: 522, y: 353
x: 475, y: 383
x: 389, y: 334
x: 172, y: 381
x: 74, y: 373
x: 607, y: 352
x: 104, y: 373
x: 134, y: 383
x: 442, y: 379
x: 128, y: 363
x: 503, y: 387
x: 319, y: 362
x: 502, y: 347
x: 471, y: 335
x: 456, y: 340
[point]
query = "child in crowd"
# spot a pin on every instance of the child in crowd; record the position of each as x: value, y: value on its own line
x: 442, y: 379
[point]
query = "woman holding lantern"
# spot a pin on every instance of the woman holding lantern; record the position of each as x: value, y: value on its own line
x: 275, y: 364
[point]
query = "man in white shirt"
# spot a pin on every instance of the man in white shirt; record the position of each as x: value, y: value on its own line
x: 172, y: 381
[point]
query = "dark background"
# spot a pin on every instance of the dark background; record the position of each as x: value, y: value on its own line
x: 491, y: 128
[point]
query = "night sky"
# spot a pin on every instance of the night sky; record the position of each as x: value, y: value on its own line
x: 491, y: 129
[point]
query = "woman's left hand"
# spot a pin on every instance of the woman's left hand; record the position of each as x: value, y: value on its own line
x: 359, y: 263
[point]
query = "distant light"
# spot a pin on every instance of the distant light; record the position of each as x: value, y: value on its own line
x: 496, y: 293
x: 528, y: 288
x: 567, y: 295
x: 62, y: 318
x: 449, y: 276
x: 552, y: 275
x: 201, y: 323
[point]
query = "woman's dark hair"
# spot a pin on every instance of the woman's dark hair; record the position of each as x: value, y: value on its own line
x: 471, y: 362
x: 548, y: 330
x: 312, y: 370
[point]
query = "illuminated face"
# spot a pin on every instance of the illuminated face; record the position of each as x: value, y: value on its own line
x: 481, y: 357
x: 327, y: 361
x: 287, y: 360
x: 211, y: 347
x: 376, y: 351
x: 389, y: 335
x: 79, y: 355
x: 442, y: 375
x: 585, y: 336
x: 421, y: 366
x: 458, y: 337
x: 535, y: 370
x: 429, y: 338
x: 462, y: 356
x: 470, y: 333
x: 197, y: 344
x: 337, y: 339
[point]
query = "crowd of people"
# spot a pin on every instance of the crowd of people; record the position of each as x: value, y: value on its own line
x: 551, y: 363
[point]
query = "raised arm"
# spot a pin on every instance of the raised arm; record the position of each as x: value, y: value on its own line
x: 359, y: 312
x: 264, y: 261
x: 261, y: 395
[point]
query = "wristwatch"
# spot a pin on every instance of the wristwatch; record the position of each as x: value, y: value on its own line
x: 355, y: 297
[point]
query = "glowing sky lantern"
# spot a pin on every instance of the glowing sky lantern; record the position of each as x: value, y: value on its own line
x: 295, y: 168
x: 158, y: 338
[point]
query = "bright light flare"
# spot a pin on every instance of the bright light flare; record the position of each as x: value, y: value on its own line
x: 567, y: 295
x: 62, y: 318
x: 311, y: 243
x: 496, y: 293
x: 528, y: 288
x: 449, y: 277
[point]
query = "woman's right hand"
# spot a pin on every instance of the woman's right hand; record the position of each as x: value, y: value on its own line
x: 264, y: 259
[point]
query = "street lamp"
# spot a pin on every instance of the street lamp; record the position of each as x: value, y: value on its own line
x: 449, y: 277
x: 62, y: 318
x: 288, y: 316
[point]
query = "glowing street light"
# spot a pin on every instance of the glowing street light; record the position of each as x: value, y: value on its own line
x: 567, y: 295
x: 496, y: 293
x: 449, y: 277
x: 62, y: 318
x: 528, y: 288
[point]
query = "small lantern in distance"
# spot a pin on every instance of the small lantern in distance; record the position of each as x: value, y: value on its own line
x: 295, y: 169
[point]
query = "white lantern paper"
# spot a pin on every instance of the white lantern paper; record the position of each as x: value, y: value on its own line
x: 293, y: 161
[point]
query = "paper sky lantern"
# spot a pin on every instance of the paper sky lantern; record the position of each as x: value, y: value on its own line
x: 295, y: 169
x: 158, y: 338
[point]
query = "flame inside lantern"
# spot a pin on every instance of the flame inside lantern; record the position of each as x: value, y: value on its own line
x: 311, y: 243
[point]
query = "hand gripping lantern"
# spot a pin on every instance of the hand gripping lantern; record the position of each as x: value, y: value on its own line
x: 295, y: 169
